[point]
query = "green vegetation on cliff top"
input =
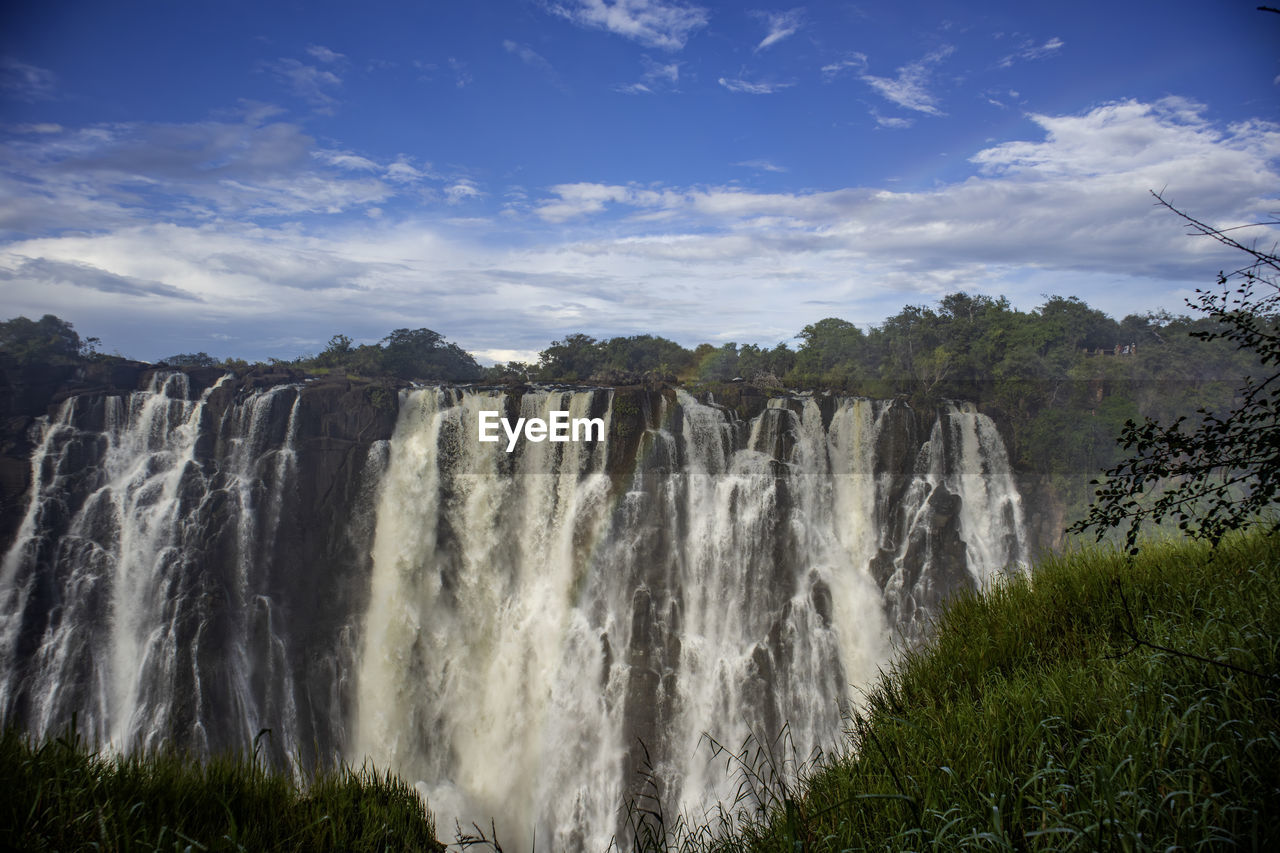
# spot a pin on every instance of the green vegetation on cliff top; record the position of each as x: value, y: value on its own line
x: 1060, y: 381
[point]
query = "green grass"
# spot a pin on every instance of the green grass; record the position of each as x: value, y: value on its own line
x: 60, y: 795
x: 1032, y: 721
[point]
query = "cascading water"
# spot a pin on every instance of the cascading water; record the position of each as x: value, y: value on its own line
x: 528, y: 636
x: 534, y: 621
x: 112, y: 608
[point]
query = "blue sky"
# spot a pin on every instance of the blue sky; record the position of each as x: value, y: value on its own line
x: 249, y: 179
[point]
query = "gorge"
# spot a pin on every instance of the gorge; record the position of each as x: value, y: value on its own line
x: 191, y: 558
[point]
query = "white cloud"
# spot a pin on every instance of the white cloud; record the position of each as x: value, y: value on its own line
x: 461, y: 190
x: 893, y: 122
x: 502, y: 356
x: 761, y: 165
x: 653, y: 23
x: 1002, y: 98
x: 44, y: 272
x: 346, y: 160
x: 1075, y: 200
x: 404, y: 172
x: 461, y: 76
x: 665, y: 72
x: 42, y: 127
x: 1031, y: 51
x: 527, y: 55
x: 748, y: 87
x: 102, y: 175
x: 26, y: 82
x: 657, y: 76
x: 910, y: 88
x: 1066, y: 207
x: 324, y: 54
x: 856, y: 61
x: 574, y: 200
x: 534, y: 60
x: 780, y: 26
x: 313, y: 84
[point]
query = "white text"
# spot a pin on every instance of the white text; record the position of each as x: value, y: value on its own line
x: 560, y: 427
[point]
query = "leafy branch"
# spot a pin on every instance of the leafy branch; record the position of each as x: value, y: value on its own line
x: 1223, y: 472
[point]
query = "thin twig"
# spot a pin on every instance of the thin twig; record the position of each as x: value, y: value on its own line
x: 1137, y: 641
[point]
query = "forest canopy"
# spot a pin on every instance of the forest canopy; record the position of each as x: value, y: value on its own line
x: 1061, y: 380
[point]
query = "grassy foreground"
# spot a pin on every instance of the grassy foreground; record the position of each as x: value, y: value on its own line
x: 1042, y: 717
x: 61, y: 796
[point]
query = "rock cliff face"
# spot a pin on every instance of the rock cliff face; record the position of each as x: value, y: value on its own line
x: 193, y: 557
x: 27, y: 394
x: 229, y: 508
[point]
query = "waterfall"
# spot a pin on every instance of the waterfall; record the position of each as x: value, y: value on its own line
x: 543, y: 635
x: 135, y: 595
x: 538, y: 636
x: 474, y: 642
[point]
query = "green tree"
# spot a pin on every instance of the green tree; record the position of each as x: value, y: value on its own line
x: 1222, y: 472
x: 719, y: 364
x: 424, y: 354
x: 832, y: 352
x: 191, y: 359
x: 643, y: 353
x: 757, y: 363
x: 337, y: 354
x: 512, y: 371
x: 574, y: 359
x: 47, y: 340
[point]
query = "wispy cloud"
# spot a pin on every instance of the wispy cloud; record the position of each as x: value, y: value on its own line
x: 461, y: 76
x: 761, y: 166
x: 780, y: 26
x: 1001, y: 97
x: 462, y: 189
x: 854, y: 61
x: 402, y: 171
x: 581, y: 199
x: 315, y: 85
x: 534, y: 60
x: 749, y: 87
x: 892, y: 122
x: 1074, y: 200
x: 40, y: 127
x: 26, y: 82
x: 1062, y: 209
x: 656, y: 77
x: 42, y: 271
x: 1029, y: 50
x: 666, y: 72
x: 910, y: 88
x: 527, y: 55
x: 95, y: 176
x: 654, y: 23
x: 324, y: 54
x: 346, y: 160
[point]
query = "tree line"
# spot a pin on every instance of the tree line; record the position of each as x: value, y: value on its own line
x: 1061, y: 380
